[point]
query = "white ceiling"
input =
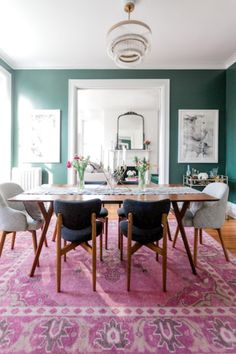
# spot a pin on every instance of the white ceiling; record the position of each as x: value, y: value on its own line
x: 72, y: 33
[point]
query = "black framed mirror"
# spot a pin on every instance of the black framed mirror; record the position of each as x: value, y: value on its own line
x: 130, y: 131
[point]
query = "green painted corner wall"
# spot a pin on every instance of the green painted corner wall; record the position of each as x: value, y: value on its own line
x: 231, y: 129
x: 189, y: 89
x: 6, y: 66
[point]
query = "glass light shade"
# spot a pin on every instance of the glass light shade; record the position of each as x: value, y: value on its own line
x: 128, y: 42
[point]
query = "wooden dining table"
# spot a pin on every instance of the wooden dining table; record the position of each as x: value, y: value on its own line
x: 180, y: 198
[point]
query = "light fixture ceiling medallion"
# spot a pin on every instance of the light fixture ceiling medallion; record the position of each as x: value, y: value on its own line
x: 128, y: 41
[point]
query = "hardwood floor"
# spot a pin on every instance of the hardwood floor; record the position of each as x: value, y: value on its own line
x: 228, y: 230
x: 228, y: 233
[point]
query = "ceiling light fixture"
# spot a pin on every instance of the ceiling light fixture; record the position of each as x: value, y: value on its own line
x: 128, y: 41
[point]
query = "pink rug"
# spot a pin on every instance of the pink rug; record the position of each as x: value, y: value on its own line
x: 196, y: 315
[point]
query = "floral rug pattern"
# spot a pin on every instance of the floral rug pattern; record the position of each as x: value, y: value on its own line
x: 196, y: 315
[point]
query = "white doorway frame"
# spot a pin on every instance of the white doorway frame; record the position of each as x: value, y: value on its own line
x: 6, y: 127
x: 162, y: 88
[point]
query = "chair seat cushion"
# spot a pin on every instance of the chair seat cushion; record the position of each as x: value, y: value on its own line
x: 121, y: 212
x: 103, y: 213
x: 142, y: 236
x: 82, y: 235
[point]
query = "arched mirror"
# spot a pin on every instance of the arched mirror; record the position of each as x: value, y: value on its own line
x: 130, y: 131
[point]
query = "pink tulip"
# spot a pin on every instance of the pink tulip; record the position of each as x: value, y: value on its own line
x: 69, y: 164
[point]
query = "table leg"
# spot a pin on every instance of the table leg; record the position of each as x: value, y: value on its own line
x: 179, y: 214
x: 47, y: 216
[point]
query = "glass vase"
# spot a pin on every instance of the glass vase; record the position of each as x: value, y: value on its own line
x: 141, y: 179
x: 80, y: 181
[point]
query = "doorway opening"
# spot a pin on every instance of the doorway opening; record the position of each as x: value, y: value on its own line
x: 87, y: 107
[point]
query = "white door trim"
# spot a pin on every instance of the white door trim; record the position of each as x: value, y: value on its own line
x: 163, y: 89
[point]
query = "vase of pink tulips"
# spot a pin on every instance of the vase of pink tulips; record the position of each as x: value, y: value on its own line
x: 79, y: 163
x: 142, y: 166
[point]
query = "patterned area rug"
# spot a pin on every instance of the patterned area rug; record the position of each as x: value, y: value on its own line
x: 196, y: 315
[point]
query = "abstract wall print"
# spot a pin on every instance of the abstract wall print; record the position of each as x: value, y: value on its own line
x: 198, y: 136
x: 42, y: 143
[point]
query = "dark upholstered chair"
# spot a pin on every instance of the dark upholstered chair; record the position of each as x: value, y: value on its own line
x: 103, y: 216
x: 77, y: 224
x: 146, y: 225
x: 122, y: 216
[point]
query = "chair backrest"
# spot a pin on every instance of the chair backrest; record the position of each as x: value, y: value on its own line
x: 77, y: 215
x: 212, y: 214
x: 146, y: 215
x: 9, y: 190
x: 219, y: 190
x: 3, y: 202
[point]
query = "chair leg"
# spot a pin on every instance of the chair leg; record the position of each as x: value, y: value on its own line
x: 164, y: 270
x: 94, y: 265
x: 65, y: 243
x: 34, y: 239
x: 176, y: 236
x: 106, y: 233
x: 157, y: 255
x: 195, y: 246
x: 46, y: 242
x: 200, y: 236
x: 223, y: 245
x: 129, y: 244
x: 121, y: 247
x: 100, y: 240
x: 128, y: 267
x: 168, y: 232
x: 164, y: 254
x: 54, y: 233
x: 94, y: 250
x: 3, y: 238
x: 59, y: 262
x: 13, y: 240
x: 119, y: 235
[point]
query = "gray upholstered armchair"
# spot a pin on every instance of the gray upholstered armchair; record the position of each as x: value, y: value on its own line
x: 211, y: 215
x: 15, y: 216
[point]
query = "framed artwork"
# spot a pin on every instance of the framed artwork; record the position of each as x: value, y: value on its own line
x: 126, y: 142
x: 198, y: 136
x: 42, y: 142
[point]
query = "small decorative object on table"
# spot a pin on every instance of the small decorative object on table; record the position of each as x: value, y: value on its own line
x: 142, y: 166
x: 188, y: 172
x: 147, y: 144
x: 202, y: 176
x: 79, y: 163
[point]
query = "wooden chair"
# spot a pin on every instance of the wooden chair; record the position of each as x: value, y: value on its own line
x: 16, y: 216
x: 122, y: 216
x: 103, y: 217
x: 77, y: 224
x: 209, y: 215
x: 146, y: 226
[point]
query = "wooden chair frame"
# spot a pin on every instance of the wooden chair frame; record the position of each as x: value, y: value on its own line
x: 5, y: 233
x: 68, y: 247
x: 198, y: 232
x: 131, y: 249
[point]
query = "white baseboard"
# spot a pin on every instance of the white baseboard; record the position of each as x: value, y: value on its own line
x: 231, y: 210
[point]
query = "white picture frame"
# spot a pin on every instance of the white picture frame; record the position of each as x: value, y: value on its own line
x: 198, y: 136
x: 42, y: 142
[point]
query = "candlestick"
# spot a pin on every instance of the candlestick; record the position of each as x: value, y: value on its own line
x: 124, y: 155
x: 118, y: 158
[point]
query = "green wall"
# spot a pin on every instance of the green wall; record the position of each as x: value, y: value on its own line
x: 231, y: 129
x: 189, y: 89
